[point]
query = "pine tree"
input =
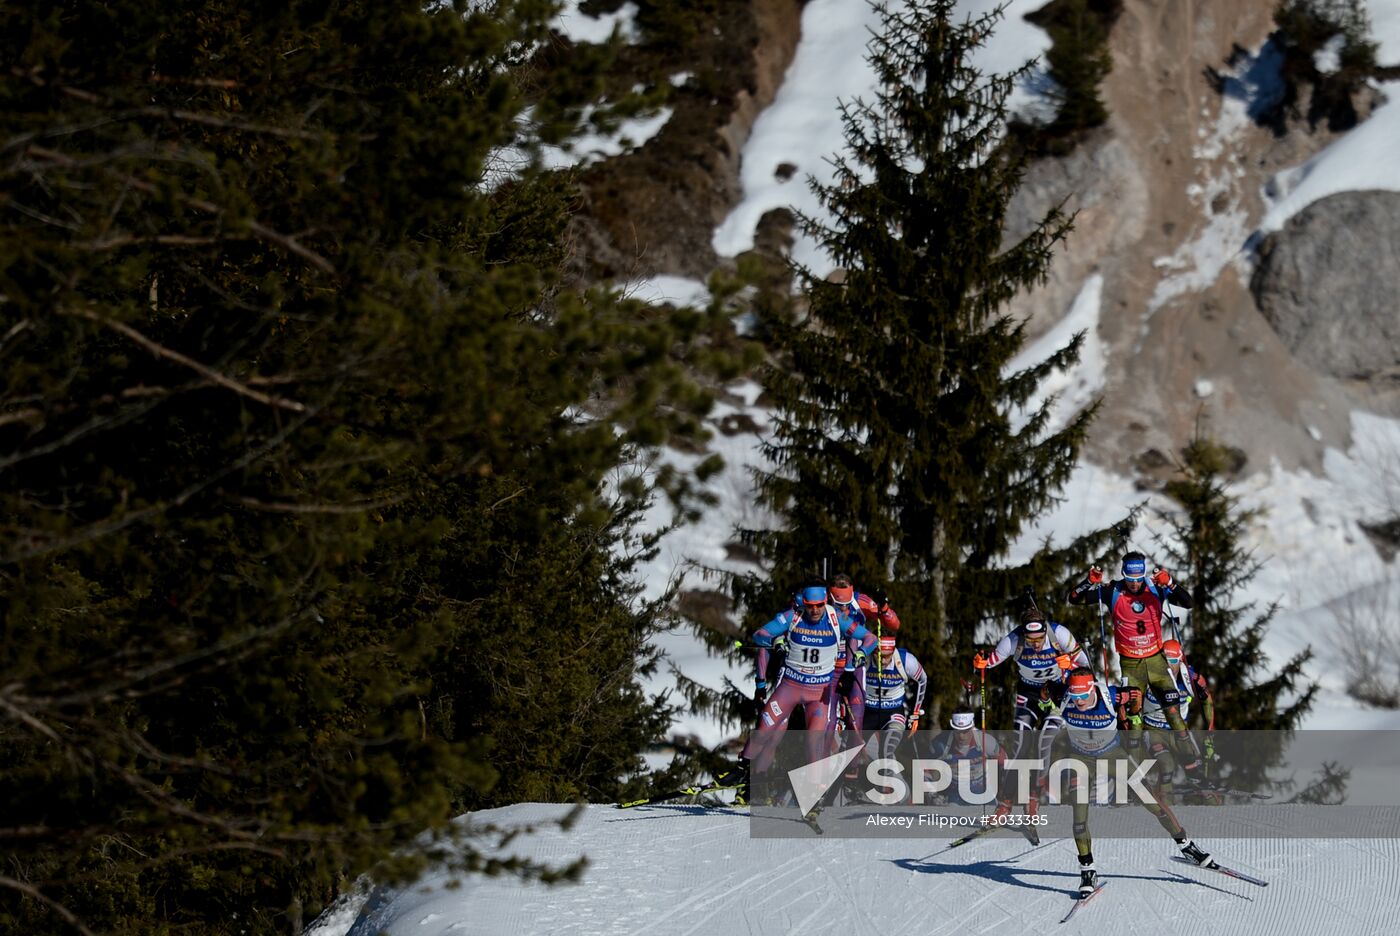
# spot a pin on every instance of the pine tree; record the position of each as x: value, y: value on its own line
x: 307, y: 463
x: 1078, y: 60
x: 1225, y: 641
x: 1305, y: 29
x: 907, y: 450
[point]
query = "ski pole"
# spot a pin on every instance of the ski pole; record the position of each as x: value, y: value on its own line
x: 983, y: 706
x: 1166, y: 605
x: 1103, y: 635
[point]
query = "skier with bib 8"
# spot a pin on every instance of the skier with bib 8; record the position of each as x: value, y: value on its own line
x: 1136, y: 609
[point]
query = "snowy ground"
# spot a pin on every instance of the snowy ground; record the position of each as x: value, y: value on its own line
x: 680, y: 870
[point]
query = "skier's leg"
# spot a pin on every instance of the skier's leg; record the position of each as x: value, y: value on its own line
x: 1135, y: 674
x: 1159, y: 809
x: 834, y: 724
x: 1027, y: 716
x: 873, y: 722
x: 1159, y: 749
x: 772, y: 722
x: 1027, y: 719
x: 855, y: 701
x: 1158, y: 674
x: 817, y: 709
x: 893, y: 734
x: 1049, y: 729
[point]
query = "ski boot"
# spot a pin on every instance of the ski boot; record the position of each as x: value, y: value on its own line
x: 1088, y: 877
x: 1193, y: 851
x: 741, y: 790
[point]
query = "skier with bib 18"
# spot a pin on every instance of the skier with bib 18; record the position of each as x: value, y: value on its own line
x: 1093, y: 715
x: 813, y: 635
x: 1136, y: 609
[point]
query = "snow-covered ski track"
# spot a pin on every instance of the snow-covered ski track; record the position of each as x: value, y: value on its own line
x: 674, y: 869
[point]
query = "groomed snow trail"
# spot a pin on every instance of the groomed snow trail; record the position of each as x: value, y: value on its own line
x: 676, y: 870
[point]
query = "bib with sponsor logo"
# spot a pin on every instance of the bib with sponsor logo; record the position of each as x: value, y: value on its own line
x: 1038, y: 667
x: 885, y: 687
x: 812, y: 649
x: 1137, y: 623
x: 1094, y: 731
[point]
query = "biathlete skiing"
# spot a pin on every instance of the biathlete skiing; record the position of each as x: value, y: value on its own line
x: 813, y: 636
x: 1137, y: 609
x: 1043, y: 651
x: 1093, y: 715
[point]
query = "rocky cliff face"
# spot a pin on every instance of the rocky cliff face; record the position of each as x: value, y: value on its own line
x: 654, y: 210
x: 1329, y: 284
x: 1169, y: 197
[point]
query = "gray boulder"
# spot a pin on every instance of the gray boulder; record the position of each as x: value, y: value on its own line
x: 1329, y: 284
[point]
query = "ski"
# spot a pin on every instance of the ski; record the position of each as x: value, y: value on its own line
x: 1028, y: 832
x: 975, y: 833
x: 1220, y: 791
x: 1029, y: 851
x: 956, y: 842
x: 1081, y: 901
x: 1199, y: 883
x: 1220, y: 868
x: 679, y: 794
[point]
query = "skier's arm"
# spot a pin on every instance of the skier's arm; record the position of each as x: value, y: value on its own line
x: 763, y: 639
x: 1207, y: 703
x: 1181, y: 598
x: 1086, y: 592
x: 1004, y: 650
x: 1127, y: 702
x: 1068, y: 646
x: 1170, y: 590
x: 915, y: 671
x: 868, y: 642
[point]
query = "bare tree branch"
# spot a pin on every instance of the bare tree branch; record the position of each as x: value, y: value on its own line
x: 34, y: 893
x: 257, y: 227
x: 161, y: 240
x: 160, y: 350
x: 286, y: 507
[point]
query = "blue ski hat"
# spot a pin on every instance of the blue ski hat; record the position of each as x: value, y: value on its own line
x: 1134, y: 567
x: 814, y: 594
